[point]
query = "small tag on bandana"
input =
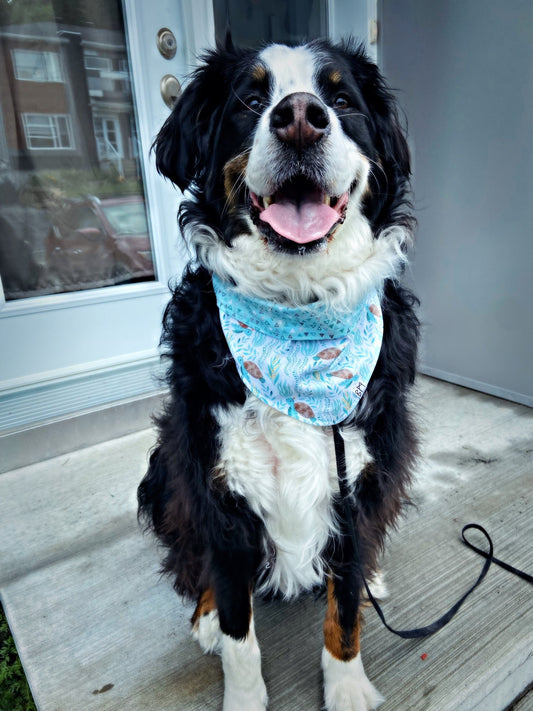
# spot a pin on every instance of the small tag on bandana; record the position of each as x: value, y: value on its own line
x: 308, y: 362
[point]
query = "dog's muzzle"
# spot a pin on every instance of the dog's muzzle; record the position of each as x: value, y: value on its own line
x: 299, y: 213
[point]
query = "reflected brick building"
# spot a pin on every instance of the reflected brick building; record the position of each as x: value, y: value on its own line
x: 65, y: 99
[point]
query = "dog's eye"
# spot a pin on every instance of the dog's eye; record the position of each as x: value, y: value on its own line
x: 254, y: 102
x: 341, y: 101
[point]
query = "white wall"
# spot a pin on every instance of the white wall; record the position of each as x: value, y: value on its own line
x: 464, y: 70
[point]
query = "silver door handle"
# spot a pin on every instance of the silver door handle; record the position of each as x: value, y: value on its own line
x: 170, y: 90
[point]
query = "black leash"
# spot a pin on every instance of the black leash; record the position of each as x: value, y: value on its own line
x: 510, y: 568
x: 438, y: 624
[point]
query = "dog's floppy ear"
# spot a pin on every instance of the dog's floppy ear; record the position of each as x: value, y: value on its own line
x: 182, y: 147
x: 389, y: 183
x: 388, y: 134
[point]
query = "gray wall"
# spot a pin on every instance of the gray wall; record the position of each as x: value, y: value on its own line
x: 464, y: 71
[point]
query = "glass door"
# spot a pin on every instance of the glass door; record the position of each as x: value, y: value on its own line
x: 88, y: 234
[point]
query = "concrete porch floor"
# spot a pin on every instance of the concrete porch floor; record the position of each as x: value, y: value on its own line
x: 97, y: 629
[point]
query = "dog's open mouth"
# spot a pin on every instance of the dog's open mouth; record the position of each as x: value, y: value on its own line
x: 299, y: 211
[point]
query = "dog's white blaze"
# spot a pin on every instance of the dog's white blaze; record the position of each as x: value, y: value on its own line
x: 286, y: 471
x: 346, y: 686
x: 244, y: 688
x: 292, y: 69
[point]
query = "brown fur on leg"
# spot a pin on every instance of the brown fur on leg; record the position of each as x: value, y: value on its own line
x: 341, y: 644
x: 206, y: 604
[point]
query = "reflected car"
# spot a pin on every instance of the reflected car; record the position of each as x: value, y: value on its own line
x: 100, y: 241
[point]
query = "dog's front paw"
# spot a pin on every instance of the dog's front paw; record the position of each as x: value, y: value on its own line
x: 346, y: 686
x: 244, y: 688
x: 206, y: 630
x: 249, y: 699
x: 377, y: 586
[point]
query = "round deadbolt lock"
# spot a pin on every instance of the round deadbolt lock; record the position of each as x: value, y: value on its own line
x: 166, y: 43
x: 170, y: 90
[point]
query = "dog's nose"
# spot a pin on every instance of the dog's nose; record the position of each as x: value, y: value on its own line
x: 300, y: 119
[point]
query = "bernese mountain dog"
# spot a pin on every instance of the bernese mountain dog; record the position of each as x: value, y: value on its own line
x: 295, y: 172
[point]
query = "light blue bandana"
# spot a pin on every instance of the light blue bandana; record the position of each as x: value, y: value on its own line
x: 309, y: 362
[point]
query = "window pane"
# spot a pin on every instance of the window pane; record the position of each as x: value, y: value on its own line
x: 72, y: 206
x: 63, y: 126
x: 52, y: 71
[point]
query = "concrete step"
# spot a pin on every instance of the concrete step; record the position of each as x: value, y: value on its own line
x: 97, y: 628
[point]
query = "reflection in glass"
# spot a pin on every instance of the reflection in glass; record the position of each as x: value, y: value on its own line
x: 72, y: 208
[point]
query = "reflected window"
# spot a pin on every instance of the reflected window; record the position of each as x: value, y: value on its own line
x: 96, y: 68
x: 44, y: 131
x: 30, y: 65
x: 72, y: 206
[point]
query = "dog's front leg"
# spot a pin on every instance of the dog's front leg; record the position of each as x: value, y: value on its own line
x: 244, y: 688
x: 346, y: 686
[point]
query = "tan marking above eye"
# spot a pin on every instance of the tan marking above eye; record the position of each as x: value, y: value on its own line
x: 259, y: 73
x: 335, y: 76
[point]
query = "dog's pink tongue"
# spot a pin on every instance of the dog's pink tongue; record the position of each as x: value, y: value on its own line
x: 301, y: 223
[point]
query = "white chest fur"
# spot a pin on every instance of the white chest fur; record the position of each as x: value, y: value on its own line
x: 286, y: 471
